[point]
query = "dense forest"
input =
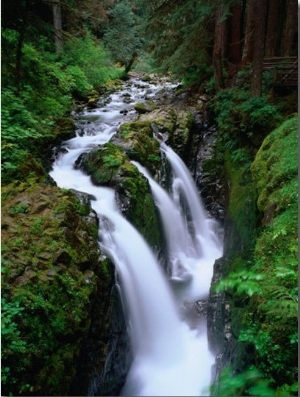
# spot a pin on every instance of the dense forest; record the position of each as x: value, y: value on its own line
x: 241, y: 56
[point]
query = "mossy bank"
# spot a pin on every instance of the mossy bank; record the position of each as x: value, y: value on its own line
x: 51, y: 268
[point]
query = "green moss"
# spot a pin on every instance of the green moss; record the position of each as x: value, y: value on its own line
x: 266, y: 320
x: 48, y: 248
x: 141, y: 211
x: 241, y: 208
x: 104, y: 163
x: 145, y: 107
x: 274, y: 309
x: 109, y: 166
x: 144, y: 148
x: 276, y: 165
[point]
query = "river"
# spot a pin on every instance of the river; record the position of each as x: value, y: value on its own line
x: 171, y: 356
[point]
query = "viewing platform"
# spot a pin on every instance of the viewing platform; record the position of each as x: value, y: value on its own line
x: 285, y: 70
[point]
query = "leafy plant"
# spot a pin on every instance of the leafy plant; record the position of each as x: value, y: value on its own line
x: 249, y: 383
x: 242, y: 282
x: 21, y: 208
x: 93, y: 66
x: 11, y: 338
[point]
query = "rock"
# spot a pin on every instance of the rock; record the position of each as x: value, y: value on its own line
x: 109, y: 166
x: 47, y: 264
x: 145, y: 107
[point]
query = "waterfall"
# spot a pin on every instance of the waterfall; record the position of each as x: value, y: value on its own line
x: 171, y: 354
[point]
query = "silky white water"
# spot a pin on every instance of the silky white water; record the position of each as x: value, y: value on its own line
x: 171, y: 354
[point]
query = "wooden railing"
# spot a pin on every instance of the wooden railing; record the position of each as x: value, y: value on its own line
x: 285, y: 70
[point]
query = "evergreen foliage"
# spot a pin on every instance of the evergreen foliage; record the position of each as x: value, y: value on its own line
x: 179, y: 36
x: 122, y: 36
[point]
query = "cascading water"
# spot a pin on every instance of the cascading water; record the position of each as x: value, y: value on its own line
x: 171, y: 356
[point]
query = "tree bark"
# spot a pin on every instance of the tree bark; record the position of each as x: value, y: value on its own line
x: 219, y: 47
x: 128, y: 66
x: 290, y: 28
x: 249, y: 33
x: 19, y: 56
x: 57, y: 23
x: 272, y: 29
x: 235, y: 34
x: 23, y: 25
x: 260, y: 9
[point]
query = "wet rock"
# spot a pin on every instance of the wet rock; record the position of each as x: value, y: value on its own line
x: 201, y: 307
x: 109, y: 166
x: 216, y: 313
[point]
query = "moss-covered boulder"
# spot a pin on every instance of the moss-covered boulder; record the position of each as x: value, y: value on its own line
x: 106, y: 164
x: 275, y: 170
x: 109, y: 166
x: 140, y: 144
x: 174, y: 124
x: 50, y: 273
x: 64, y: 128
x: 145, y: 107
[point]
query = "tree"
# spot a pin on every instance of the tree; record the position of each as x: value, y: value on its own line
x: 249, y: 32
x: 57, y: 23
x: 122, y: 36
x: 220, y: 41
x: 260, y: 10
x: 290, y: 28
x: 272, y: 28
x: 235, y: 20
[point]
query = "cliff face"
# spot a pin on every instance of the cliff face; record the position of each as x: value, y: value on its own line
x: 52, y: 271
x: 259, y: 266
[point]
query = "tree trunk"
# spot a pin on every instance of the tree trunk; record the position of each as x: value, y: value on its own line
x: 57, y: 23
x: 249, y: 32
x: 219, y: 47
x: 290, y: 28
x: 19, y: 56
x: 23, y: 24
x: 235, y: 34
x: 272, y: 29
x: 260, y: 10
x: 128, y: 66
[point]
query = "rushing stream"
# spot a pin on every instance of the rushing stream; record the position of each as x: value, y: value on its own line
x: 171, y: 356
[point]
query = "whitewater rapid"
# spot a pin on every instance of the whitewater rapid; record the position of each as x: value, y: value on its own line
x: 171, y: 356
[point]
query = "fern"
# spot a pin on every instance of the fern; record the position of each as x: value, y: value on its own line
x: 242, y: 282
x: 282, y: 305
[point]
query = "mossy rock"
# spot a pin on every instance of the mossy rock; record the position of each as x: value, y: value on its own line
x: 140, y: 145
x: 145, y: 107
x: 276, y: 254
x: 109, y: 166
x: 64, y: 128
x: 146, y: 78
x: 50, y: 273
x: 241, y: 217
x: 175, y: 125
x: 106, y: 164
x: 275, y: 167
x: 136, y: 203
x: 164, y: 118
x: 32, y: 171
